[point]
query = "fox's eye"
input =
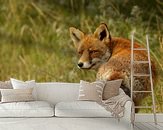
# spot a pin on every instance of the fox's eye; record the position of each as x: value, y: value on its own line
x: 93, y: 51
x: 80, y: 52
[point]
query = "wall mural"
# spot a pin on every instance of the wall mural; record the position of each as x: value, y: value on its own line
x: 36, y: 41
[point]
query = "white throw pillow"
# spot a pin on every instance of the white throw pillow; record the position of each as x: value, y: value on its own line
x: 5, y: 85
x: 18, y: 84
x: 16, y: 95
x: 91, y: 91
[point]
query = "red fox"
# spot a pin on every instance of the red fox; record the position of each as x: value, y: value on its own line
x: 110, y: 56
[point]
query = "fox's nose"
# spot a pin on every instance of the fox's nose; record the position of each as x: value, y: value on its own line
x: 80, y: 64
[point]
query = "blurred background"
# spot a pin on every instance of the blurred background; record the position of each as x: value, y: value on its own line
x: 35, y: 41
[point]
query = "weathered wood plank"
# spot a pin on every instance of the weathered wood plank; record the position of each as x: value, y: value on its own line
x: 148, y: 117
x: 141, y: 126
x: 161, y: 124
x: 157, y: 126
x: 136, y: 127
x: 149, y: 125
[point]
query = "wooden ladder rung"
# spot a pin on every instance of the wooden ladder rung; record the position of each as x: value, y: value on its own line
x: 142, y: 91
x: 141, y: 75
x: 143, y: 106
x: 140, y: 49
x: 141, y: 62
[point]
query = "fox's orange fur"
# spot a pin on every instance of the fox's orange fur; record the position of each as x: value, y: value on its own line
x: 110, y: 56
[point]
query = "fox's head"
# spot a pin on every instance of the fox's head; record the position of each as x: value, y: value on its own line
x: 93, y: 49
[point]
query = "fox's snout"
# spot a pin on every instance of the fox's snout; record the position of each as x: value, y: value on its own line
x: 83, y: 65
x: 86, y: 61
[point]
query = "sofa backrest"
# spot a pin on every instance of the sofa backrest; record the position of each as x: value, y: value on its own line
x: 55, y: 92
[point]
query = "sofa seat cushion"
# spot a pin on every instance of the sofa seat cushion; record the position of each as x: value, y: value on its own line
x: 26, y: 109
x: 80, y: 109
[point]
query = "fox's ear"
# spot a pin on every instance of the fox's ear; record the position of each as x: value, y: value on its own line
x: 102, y: 32
x: 76, y: 35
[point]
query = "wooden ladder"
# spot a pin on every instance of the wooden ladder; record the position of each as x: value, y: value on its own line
x: 153, y: 107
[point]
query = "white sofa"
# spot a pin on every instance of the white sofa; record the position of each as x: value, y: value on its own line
x: 64, y: 113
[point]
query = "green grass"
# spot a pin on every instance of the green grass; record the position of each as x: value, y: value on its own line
x: 35, y: 42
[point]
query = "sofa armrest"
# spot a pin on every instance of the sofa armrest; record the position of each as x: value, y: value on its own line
x: 128, y: 111
x: 126, y: 119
